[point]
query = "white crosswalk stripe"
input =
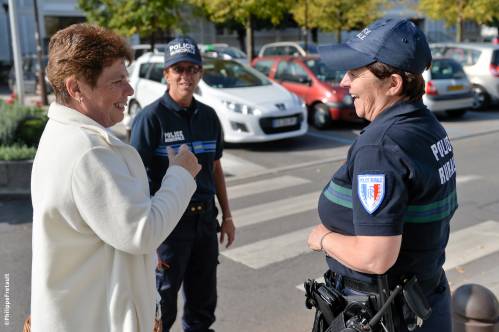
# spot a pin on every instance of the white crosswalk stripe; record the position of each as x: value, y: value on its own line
x: 265, y: 252
x: 259, y: 187
x: 472, y: 243
x: 235, y: 166
x: 277, y: 209
x: 467, y: 178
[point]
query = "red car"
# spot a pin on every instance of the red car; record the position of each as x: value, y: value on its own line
x: 317, y: 85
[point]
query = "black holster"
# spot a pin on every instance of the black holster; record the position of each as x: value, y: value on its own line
x: 372, y: 312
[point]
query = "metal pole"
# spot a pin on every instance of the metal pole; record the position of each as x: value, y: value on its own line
x: 39, y: 54
x: 306, y: 26
x: 18, y: 65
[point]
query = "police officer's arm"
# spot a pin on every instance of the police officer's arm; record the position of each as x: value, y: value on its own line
x: 368, y: 254
x: 227, y: 227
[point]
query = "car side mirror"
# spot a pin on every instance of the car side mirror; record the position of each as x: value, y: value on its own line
x: 305, y: 80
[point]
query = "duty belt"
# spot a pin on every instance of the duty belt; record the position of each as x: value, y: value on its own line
x: 198, y: 207
x: 426, y: 285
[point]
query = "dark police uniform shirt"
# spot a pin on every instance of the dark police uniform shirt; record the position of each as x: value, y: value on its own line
x: 164, y: 123
x: 399, y: 178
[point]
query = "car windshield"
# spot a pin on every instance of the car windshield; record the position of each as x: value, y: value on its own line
x: 233, y: 52
x: 230, y: 74
x: 310, y: 49
x: 446, y: 69
x: 323, y: 72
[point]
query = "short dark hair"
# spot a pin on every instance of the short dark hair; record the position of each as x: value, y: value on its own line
x: 412, y: 84
x: 82, y: 50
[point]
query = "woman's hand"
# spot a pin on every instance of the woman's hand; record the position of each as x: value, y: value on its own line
x: 184, y: 158
x: 316, y: 235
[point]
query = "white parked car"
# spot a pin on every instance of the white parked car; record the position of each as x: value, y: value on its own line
x: 447, y: 88
x: 251, y: 108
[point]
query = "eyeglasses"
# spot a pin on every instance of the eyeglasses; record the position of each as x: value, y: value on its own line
x: 179, y: 70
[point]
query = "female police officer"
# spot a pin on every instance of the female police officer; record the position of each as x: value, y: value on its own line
x: 387, y: 209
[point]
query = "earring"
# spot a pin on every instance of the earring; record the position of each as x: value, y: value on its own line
x: 80, y: 100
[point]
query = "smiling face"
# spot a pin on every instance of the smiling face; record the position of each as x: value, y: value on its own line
x: 183, y: 78
x: 105, y: 103
x: 369, y: 93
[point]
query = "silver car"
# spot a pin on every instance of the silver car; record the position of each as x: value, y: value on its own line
x: 447, y: 88
x: 480, y: 62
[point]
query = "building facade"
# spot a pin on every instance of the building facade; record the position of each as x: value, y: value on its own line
x: 57, y: 14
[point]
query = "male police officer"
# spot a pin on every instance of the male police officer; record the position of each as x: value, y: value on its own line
x: 190, y: 254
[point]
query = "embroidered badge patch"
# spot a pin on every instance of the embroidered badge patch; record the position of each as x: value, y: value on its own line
x: 371, y: 190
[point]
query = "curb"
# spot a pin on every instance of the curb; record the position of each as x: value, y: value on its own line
x: 15, y: 178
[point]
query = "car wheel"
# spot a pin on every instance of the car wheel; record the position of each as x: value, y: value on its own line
x: 134, y: 109
x: 321, y: 118
x: 455, y: 114
x: 481, y: 98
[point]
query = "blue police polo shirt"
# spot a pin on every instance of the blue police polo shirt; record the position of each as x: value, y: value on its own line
x: 399, y: 178
x: 164, y: 123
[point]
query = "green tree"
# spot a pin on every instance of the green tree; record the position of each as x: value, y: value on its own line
x: 458, y: 11
x: 245, y: 12
x: 336, y: 15
x: 129, y: 17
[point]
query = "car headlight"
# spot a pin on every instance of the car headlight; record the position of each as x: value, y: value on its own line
x: 298, y: 101
x: 347, y: 100
x: 241, y: 108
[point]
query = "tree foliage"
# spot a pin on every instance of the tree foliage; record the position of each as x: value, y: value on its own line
x: 129, y: 17
x: 456, y: 12
x: 338, y: 15
x: 244, y: 12
x: 220, y: 11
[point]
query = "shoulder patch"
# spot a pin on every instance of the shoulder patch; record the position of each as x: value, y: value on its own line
x: 371, y: 190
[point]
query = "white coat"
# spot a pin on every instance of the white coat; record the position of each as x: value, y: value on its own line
x: 96, y: 228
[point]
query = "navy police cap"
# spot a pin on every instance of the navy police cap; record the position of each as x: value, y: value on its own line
x: 393, y: 41
x: 182, y: 49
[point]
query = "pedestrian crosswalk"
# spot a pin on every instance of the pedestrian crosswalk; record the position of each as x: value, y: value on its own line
x: 265, y: 252
x: 471, y: 243
x: 464, y: 246
x: 277, y: 209
x: 258, y: 187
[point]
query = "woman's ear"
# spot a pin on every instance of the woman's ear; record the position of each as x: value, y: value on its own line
x: 73, y: 88
x: 396, y: 85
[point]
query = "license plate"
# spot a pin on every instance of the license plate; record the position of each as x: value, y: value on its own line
x: 455, y: 87
x: 284, y: 122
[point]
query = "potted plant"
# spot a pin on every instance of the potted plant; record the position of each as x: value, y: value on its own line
x: 20, y: 131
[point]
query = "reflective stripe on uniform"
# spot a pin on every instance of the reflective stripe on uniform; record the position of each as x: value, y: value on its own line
x: 415, y: 213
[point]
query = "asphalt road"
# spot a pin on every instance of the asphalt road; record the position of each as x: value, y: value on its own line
x: 274, y: 189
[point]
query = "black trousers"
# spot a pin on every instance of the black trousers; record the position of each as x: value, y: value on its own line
x: 189, y: 258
